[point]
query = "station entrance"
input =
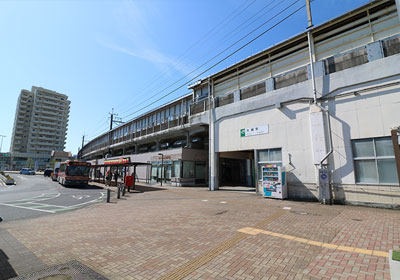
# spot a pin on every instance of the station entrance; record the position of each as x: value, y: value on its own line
x: 236, y: 169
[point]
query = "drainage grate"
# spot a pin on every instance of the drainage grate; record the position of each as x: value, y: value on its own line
x: 72, y: 270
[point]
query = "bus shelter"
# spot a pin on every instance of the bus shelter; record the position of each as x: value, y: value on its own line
x: 121, y: 166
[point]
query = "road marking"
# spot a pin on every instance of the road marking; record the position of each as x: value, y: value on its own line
x: 255, y: 231
x: 28, y: 208
x: 43, y: 196
x: 37, y: 206
x: 80, y: 196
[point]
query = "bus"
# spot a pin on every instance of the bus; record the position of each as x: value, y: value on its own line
x: 73, y: 173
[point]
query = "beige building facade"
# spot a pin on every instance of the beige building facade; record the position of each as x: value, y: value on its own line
x: 40, y: 126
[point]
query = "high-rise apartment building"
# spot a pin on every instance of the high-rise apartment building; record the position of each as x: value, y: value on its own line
x: 40, y: 126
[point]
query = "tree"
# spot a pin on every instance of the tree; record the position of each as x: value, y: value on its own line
x: 29, y: 162
x: 52, y: 162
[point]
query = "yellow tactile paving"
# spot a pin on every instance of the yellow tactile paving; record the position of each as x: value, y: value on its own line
x: 194, y: 264
x: 254, y: 231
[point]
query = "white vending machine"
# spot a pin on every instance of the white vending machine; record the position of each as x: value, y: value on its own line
x: 274, y: 181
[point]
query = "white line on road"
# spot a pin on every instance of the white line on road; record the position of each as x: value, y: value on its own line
x: 41, y: 197
x: 102, y: 195
x: 27, y: 208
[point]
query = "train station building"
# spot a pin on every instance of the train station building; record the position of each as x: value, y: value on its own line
x: 339, y: 114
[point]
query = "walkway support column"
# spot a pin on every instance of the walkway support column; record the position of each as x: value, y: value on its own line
x: 213, y: 157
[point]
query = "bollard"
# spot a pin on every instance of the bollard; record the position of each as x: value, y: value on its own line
x: 119, y: 193
x: 108, y: 195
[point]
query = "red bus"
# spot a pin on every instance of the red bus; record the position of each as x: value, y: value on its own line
x: 73, y: 173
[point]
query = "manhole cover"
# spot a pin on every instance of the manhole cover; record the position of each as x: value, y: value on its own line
x: 72, y: 270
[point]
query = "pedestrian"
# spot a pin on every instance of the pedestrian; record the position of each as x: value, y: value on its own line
x: 116, y: 175
x: 108, y: 177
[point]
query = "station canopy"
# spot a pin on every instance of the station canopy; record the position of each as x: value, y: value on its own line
x: 119, y: 162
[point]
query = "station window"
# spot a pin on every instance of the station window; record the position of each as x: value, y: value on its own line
x: 374, y: 161
x: 269, y: 156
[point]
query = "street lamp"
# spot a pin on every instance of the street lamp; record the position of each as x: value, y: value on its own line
x: 162, y: 166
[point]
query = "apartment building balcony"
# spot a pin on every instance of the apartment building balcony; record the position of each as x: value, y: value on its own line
x: 51, y: 124
x: 57, y: 108
x: 41, y: 137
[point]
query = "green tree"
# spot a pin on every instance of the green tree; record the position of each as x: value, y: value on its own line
x: 29, y: 162
x: 52, y: 162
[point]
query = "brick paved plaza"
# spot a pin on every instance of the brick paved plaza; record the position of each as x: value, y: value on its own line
x: 191, y: 233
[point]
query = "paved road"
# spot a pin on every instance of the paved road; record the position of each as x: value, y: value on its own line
x: 34, y: 196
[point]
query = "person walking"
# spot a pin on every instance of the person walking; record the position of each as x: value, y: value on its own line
x: 116, y: 175
x: 108, y: 178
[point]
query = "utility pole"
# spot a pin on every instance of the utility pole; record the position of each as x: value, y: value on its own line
x: 114, y: 119
x: 311, y: 48
x: 1, y: 145
x: 83, y: 140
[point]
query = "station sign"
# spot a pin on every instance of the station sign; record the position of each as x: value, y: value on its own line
x: 117, y: 161
x: 257, y: 130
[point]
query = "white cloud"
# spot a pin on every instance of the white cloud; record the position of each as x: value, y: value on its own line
x: 132, y: 25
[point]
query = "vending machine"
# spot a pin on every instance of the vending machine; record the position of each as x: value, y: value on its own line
x: 274, y: 181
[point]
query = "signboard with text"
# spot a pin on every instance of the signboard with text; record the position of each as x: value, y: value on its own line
x: 257, y: 130
x: 117, y: 161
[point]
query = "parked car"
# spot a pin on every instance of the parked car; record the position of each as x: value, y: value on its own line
x: 47, y: 172
x: 27, y: 171
x: 54, y: 175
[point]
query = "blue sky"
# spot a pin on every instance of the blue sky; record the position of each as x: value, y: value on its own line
x: 118, y: 54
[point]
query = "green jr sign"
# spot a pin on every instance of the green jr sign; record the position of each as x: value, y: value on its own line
x: 242, y: 132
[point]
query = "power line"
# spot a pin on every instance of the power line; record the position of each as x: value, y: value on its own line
x: 226, y: 57
x: 236, y: 42
x: 211, y: 33
x: 239, y: 10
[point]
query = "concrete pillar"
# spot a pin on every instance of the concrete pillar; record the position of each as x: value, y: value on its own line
x: 374, y: 51
x: 318, y: 139
x: 398, y: 8
x: 270, y: 84
x: 188, y: 141
x: 256, y: 169
x: 157, y: 145
x: 213, y: 174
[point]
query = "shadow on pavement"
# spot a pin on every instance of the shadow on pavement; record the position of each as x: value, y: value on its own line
x: 139, y: 188
x: 6, y: 270
x: 86, y: 187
